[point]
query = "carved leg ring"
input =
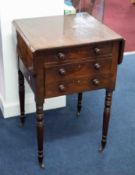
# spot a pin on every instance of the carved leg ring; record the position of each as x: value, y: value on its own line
x: 40, y: 132
x: 21, y: 98
x: 79, y: 104
x: 106, y: 117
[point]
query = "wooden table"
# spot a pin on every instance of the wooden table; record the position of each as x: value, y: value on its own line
x: 62, y: 55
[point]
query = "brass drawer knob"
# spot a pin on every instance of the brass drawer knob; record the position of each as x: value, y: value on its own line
x: 96, y: 82
x: 61, y: 56
x: 97, y: 66
x: 97, y: 50
x: 62, y: 71
x: 62, y: 88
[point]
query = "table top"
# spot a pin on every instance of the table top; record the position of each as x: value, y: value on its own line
x: 62, y: 31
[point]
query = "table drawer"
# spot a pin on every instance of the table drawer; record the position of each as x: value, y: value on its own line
x: 78, y: 53
x: 81, y: 69
x: 77, y: 85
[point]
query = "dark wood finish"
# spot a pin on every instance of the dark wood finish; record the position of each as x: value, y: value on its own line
x: 81, y: 53
x: 67, y: 54
x: 106, y: 117
x: 61, y: 32
x: 78, y: 85
x: 85, y: 68
x: 21, y: 98
x: 79, y: 104
x: 40, y: 130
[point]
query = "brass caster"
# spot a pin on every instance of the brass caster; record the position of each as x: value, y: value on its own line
x: 102, y: 147
x: 42, y: 165
x: 78, y: 114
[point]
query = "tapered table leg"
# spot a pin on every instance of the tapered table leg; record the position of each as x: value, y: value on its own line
x: 21, y: 98
x: 40, y: 131
x: 79, y: 104
x: 106, y: 117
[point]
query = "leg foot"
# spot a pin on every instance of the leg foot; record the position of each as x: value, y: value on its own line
x: 79, y: 104
x: 22, y: 121
x: 78, y: 114
x: 41, y: 164
x: 102, y: 145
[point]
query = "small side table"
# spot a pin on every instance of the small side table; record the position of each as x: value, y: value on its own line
x: 62, y: 55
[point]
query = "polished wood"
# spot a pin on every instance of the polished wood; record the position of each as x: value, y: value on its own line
x: 106, y: 118
x: 40, y: 130
x: 62, y: 31
x: 62, y: 55
x: 21, y: 97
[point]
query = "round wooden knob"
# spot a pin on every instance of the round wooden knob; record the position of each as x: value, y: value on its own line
x: 62, y: 87
x: 96, y: 82
x: 97, y: 66
x: 62, y: 71
x: 97, y: 50
x: 61, y: 56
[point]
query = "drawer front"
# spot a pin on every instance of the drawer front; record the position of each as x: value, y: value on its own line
x: 78, y: 53
x: 81, y: 69
x: 77, y: 85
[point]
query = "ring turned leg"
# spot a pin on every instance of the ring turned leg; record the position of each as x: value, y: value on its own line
x: 79, y: 104
x: 21, y: 98
x: 106, y: 117
x: 40, y: 131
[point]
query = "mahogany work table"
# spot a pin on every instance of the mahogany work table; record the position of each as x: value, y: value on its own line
x: 61, y: 55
